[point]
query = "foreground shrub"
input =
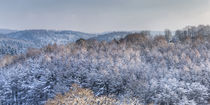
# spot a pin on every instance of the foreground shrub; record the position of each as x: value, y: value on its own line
x: 81, y: 96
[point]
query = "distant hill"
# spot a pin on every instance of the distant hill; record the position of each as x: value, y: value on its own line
x: 111, y: 35
x: 21, y: 40
x: 6, y: 31
x: 43, y: 37
x: 121, y: 34
x: 16, y: 42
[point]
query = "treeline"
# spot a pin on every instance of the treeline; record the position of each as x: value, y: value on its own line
x: 164, y: 69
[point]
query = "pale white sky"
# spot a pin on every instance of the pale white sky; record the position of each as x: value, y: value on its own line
x: 103, y: 15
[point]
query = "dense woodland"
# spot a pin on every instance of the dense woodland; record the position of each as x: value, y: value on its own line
x: 137, y: 69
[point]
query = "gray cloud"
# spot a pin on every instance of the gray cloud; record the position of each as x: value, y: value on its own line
x: 103, y: 15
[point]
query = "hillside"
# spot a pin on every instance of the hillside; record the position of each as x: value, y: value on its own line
x: 6, y: 31
x: 147, y: 69
x: 44, y: 37
x: 14, y: 46
x: 17, y: 42
x: 122, y: 34
x: 20, y: 41
x: 111, y: 36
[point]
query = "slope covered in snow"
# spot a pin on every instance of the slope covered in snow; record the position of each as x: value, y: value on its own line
x: 149, y: 69
x: 121, y: 34
x: 44, y: 37
x: 16, y: 42
x: 21, y: 40
x: 111, y: 35
x: 6, y: 31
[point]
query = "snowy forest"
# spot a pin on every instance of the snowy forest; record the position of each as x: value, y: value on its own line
x: 138, y: 69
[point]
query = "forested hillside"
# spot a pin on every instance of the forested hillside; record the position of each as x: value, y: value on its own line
x: 13, y: 43
x: 17, y: 42
x: 136, y: 69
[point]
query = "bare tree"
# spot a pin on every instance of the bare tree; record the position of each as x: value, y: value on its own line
x: 168, y: 35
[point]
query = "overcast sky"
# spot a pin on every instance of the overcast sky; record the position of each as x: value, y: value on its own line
x: 103, y: 15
